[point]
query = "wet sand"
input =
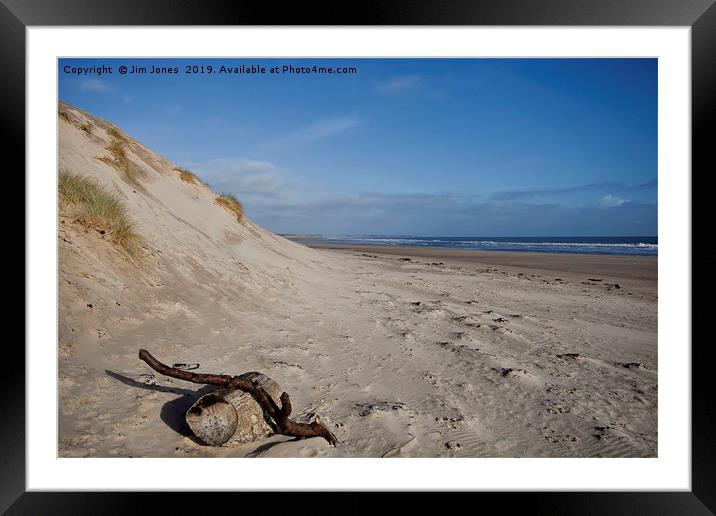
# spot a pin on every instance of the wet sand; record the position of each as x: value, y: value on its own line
x: 616, y: 267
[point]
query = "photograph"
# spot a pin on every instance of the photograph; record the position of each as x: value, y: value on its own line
x: 357, y: 257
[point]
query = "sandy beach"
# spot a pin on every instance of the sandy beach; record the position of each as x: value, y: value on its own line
x: 404, y: 352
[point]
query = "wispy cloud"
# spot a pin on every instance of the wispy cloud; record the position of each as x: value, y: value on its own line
x: 532, y: 193
x: 403, y: 84
x: 245, y: 177
x: 611, y: 201
x: 96, y: 85
x: 316, y: 131
x: 446, y: 214
x: 400, y: 83
x: 277, y: 199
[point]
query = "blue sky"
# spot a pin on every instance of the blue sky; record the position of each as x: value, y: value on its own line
x: 438, y: 147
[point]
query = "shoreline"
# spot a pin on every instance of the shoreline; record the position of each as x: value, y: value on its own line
x: 634, y: 268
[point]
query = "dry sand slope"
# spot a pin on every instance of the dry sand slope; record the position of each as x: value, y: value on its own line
x: 401, y: 358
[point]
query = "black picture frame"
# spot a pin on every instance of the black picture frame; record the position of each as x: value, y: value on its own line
x: 700, y: 15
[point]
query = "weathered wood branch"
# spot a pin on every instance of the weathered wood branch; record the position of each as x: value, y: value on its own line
x: 246, y: 383
x: 231, y: 417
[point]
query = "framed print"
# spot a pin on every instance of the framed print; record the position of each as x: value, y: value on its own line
x: 430, y: 248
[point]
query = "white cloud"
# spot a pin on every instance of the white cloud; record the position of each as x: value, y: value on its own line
x: 316, y: 131
x: 280, y: 201
x: 93, y: 85
x: 441, y: 214
x: 245, y: 177
x: 400, y: 83
x: 611, y: 201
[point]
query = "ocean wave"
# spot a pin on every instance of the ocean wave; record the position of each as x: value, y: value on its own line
x: 635, y: 247
x: 644, y: 245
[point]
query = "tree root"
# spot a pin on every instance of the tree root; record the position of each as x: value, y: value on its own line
x: 278, y: 414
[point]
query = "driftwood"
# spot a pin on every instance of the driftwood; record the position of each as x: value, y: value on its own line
x: 249, y: 383
x: 213, y: 419
x: 233, y: 417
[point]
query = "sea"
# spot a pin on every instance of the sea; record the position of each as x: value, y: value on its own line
x: 622, y: 245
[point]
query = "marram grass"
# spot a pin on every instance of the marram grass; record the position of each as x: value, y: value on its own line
x: 97, y: 208
x: 188, y: 176
x: 118, y: 147
x: 232, y: 204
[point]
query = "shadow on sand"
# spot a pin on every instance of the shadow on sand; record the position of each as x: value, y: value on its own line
x: 173, y: 411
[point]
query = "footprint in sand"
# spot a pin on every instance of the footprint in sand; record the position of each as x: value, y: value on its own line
x: 560, y: 391
x: 608, y: 432
x: 451, y: 422
x: 281, y: 363
x: 377, y: 407
x: 601, y: 431
x: 510, y: 372
x: 570, y: 356
x: 449, y: 346
x: 631, y: 365
x: 551, y: 435
x: 553, y: 408
x: 431, y: 378
x: 405, y: 346
x: 467, y: 320
x: 453, y: 445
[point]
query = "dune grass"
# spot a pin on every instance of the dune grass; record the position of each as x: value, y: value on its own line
x: 86, y: 127
x: 97, y: 208
x: 64, y: 116
x: 118, y: 147
x: 188, y: 176
x: 232, y: 204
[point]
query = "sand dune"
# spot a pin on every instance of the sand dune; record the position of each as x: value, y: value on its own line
x: 401, y: 357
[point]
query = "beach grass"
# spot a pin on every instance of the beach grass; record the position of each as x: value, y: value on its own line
x: 64, y: 116
x: 187, y: 176
x: 86, y: 127
x: 94, y: 206
x: 232, y: 204
x: 118, y: 147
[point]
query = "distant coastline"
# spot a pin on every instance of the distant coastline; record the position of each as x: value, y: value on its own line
x: 629, y: 245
